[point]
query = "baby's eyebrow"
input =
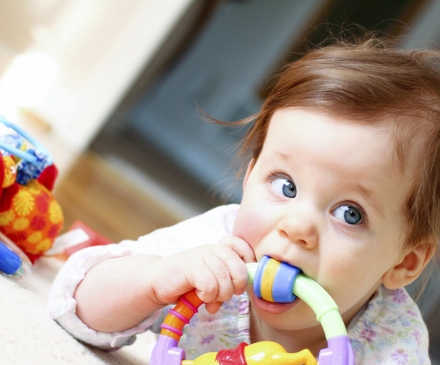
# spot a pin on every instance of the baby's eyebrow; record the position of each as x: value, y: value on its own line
x: 366, y: 194
x: 275, y: 157
x: 286, y: 157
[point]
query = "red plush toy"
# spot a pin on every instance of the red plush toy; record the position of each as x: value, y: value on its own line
x: 30, y: 216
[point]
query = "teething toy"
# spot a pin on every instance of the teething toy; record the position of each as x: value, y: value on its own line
x: 30, y: 216
x: 273, y: 281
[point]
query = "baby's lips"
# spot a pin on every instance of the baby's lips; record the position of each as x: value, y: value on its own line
x: 271, y: 307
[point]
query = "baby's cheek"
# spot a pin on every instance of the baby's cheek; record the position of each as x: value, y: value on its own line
x: 249, y: 226
x: 346, y: 282
x: 337, y: 275
x: 340, y: 267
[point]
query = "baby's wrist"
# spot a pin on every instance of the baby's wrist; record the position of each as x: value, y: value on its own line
x: 154, y: 281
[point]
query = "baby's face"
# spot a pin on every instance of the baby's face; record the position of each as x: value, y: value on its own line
x: 326, y: 196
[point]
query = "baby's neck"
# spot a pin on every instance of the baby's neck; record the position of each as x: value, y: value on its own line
x: 312, y: 339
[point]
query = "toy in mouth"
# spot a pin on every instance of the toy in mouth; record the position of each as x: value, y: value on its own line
x: 273, y: 285
x: 274, y: 282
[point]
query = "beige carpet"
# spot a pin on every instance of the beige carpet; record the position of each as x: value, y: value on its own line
x: 28, y: 336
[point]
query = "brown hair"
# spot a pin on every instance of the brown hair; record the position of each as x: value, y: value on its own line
x: 370, y: 80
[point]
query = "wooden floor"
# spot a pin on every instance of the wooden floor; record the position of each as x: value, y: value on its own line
x: 96, y: 194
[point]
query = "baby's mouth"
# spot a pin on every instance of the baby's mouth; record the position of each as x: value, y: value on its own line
x: 271, y: 307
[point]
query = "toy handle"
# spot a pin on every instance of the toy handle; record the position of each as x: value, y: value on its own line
x: 47, y: 157
x: 268, y: 277
x: 165, y: 351
x: 180, y: 315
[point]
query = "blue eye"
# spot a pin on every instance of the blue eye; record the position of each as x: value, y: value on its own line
x: 348, y: 214
x: 284, y: 187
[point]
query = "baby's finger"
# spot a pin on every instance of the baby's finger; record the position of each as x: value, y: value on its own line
x: 240, y: 246
x: 220, y: 270
x: 236, y: 267
x: 206, y: 283
x: 213, y: 307
x: 239, y: 276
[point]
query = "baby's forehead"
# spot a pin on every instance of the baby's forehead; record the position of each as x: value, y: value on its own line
x: 407, y: 134
x: 302, y: 131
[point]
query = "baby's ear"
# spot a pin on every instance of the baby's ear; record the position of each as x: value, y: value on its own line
x: 410, y: 267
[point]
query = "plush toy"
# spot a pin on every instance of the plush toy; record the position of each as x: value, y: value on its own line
x: 30, y: 216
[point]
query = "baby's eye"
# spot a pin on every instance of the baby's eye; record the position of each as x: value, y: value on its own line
x: 348, y: 214
x: 283, y: 187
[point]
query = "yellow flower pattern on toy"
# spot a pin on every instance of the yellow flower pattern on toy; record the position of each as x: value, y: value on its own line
x: 6, y: 217
x: 55, y: 212
x: 10, y: 170
x: 35, y: 237
x: 23, y: 203
x: 43, y: 245
x: 20, y: 224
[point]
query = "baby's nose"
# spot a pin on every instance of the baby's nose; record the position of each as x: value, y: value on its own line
x: 300, y: 227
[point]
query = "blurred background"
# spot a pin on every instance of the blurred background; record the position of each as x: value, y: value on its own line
x: 113, y: 88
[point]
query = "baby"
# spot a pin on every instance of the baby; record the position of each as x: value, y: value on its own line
x: 343, y: 182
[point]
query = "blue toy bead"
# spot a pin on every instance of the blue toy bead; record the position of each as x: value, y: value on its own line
x: 282, y: 288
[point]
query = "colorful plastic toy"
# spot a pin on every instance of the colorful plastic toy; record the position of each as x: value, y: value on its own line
x: 273, y: 281
x: 13, y: 262
x: 29, y: 213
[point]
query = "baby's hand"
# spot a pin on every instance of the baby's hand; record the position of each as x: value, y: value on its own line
x: 241, y: 247
x: 215, y: 271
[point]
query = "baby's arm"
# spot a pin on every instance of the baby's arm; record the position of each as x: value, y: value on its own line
x: 209, y: 228
x: 119, y: 293
x: 113, y: 296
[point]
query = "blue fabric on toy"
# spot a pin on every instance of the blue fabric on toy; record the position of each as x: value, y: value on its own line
x: 27, y: 171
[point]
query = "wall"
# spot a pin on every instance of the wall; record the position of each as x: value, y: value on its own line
x: 70, y: 62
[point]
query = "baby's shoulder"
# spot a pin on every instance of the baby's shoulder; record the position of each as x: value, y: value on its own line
x: 214, y: 223
x: 390, y: 329
x: 207, y: 228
